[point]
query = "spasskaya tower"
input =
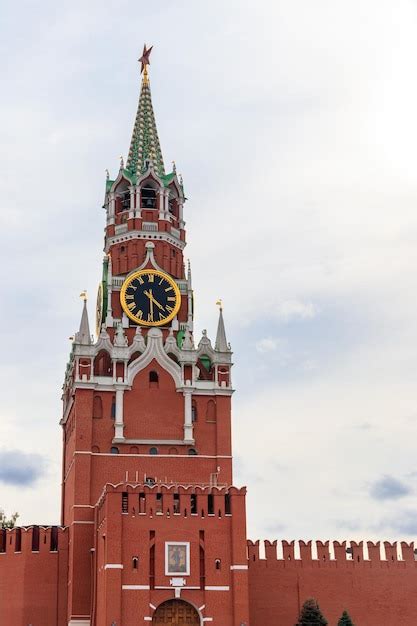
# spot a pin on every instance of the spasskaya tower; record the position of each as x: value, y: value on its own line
x: 157, y: 532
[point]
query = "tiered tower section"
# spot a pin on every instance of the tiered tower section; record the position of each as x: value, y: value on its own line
x: 145, y: 405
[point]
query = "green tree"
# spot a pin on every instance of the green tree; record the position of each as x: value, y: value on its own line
x: 345, y: 620
x: 311, y: 615
x: 8, y: 522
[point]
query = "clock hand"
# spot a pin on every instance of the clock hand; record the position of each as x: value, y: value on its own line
x: 151, y: 304
x: 150, y: 296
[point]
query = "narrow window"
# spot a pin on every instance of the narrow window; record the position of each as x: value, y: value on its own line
x: 113, y: 408
x: 218, y: 564
x: 194, y: 411
x: 142, y: 503
x: 125, y: 502
x: 114, y: 450
x: 176, y: 503
x: 135, y: 562
x: 153, y: 379
x: 202, y: 568
x: 18, y: 540
x: 193, y: 504
x: 227, y: 504
x: 152, y: 567
x: 210, y: 504
x: 153, y: 450
x: 54, y: 539
x: 192, y: 452
x: 159, y: 503
x: 35, y: 539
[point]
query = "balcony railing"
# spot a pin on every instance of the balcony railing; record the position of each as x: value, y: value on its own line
x: 150, y: 226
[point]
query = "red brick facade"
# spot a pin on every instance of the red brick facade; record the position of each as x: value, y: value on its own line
x: 153, y: 529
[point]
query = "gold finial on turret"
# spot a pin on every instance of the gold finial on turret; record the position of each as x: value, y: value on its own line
x: 219, y: 303
x: 83, y: 294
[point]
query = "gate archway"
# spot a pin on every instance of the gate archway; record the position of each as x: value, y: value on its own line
x: 176, y: 612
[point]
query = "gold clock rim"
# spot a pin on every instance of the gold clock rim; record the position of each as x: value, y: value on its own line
x: 100, y: 295
x: 135, y: 319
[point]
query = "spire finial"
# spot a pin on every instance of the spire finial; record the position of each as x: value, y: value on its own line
x: 122, y: 162
x: 174, y: 167
x: 144, y: 60
x: 83, y: 295
x: 144, y: 144
x: 219, y: 303
x: 107, y: 174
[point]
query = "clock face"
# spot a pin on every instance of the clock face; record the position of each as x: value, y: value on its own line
x: 150, y: 297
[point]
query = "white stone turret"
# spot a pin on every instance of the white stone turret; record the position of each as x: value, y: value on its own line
x: 221, y: 344
x: 83, y: 336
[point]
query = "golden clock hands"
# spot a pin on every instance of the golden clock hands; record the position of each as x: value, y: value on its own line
x: 150, y: 304
x: 152, y: 299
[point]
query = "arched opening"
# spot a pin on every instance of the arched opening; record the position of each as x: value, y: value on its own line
x: 176, y: 612
x: 122, y: 197
x: 148, y: 194
x: 134, y: 356
x: 102, y: 364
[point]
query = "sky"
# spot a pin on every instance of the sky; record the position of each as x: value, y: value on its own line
x: 294, y: 127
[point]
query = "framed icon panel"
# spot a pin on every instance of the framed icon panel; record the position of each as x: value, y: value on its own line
x: 177, y: 558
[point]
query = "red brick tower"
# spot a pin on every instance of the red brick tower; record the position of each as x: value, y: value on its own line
x: 156, y: 531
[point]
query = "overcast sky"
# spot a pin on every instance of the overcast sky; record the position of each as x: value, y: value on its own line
x: 294, y: 126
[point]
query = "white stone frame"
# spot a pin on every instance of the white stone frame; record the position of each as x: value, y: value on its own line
x: 177, y: 543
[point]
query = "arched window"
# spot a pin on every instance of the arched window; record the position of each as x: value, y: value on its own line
x: 153, y: 450
x: 211, y: 411
x: 114, y: 450
x: 148, y: 194
x: 122, y: 197
x: 153, y: 379
x: 194, y: 411
x: 134, y: 450
x: 97, y: 407
x: 95, y: 449
x: 192, y: 452
x: 218, y: 564
x: 173, y: 451
x: 113, y: 407
x: 102, y: 364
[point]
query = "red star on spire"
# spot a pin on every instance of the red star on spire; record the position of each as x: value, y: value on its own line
x: 144, y: 59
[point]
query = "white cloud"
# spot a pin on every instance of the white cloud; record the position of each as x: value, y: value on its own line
x: 268, y: 344
x: 293, y: 309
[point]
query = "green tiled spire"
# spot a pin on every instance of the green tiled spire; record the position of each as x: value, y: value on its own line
x: 144, y: 145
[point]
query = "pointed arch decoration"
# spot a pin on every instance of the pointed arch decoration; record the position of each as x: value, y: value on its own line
x: 155, y: 351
